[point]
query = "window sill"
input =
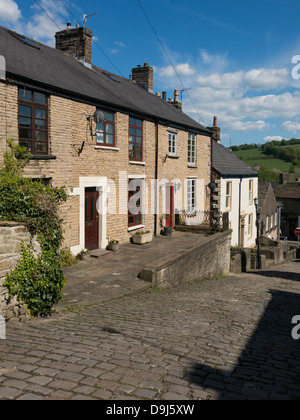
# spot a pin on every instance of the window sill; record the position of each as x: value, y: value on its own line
x: 190, y: 165
x: 173, y: 156
x: 136, y: 228
x: 42, y: 157
x: 116, y: 149
x: 133, y: 162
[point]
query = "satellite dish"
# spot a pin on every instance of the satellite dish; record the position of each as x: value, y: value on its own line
x: 99, y: 117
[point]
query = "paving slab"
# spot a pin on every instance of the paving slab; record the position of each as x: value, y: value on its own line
x: 106, y: 275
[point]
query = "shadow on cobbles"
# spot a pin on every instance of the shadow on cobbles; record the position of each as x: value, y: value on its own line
x: 269, y: 366
x: 280, y: 274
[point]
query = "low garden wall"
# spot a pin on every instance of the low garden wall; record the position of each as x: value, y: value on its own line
x: 12, y: 234
x: 207, y: 259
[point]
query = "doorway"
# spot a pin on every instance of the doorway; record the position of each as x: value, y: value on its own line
x: 169, y: 205
x: 91, y: 219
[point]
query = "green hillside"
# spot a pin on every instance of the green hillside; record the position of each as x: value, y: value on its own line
x: 271, y: 158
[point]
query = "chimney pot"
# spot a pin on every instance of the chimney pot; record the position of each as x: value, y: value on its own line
x: 69, y: 24
x: 215, y: 122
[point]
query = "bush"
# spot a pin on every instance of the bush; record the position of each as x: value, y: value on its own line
x: 36, y: 281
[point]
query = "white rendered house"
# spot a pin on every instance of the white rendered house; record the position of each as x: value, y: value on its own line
x: 236, y: 189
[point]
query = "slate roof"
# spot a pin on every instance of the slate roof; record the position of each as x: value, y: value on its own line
x: 289, y: 190
x: 50, y: 68
x: 228, y: 164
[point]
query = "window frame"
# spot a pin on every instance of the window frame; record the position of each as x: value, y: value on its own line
x: 137, y: 218
x: 192, y: 149
x: 172, y: 143
x: 228, y: 196
x: 250, y: 225
x: 191, y: 195
x: 251, y: 191
x: 105, y: 132
x: 33, y: 105
x: 136, y: 127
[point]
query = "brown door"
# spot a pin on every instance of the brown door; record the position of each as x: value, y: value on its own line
x: 170, y: 205
x: 91, y: 219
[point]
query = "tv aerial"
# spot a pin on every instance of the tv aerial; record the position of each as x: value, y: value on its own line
x: 86, y: 17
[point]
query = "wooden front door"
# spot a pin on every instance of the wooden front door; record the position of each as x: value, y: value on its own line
x: 169, y: 205
x: 91, y: 219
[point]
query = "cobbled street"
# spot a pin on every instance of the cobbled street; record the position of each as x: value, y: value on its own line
x: 227, y: 338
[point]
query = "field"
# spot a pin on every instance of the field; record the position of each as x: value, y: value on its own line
x: 255, y: 157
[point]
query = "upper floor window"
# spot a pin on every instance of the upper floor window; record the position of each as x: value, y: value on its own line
x: 105, y: 131
x: 228, y: 194
x: 172, y: 144
x: 192, y: 149
x: 135, y: 139
x: 33, y: 121
x: 250, y: 191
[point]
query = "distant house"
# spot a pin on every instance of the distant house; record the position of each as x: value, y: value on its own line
x: 237, y: 187
x: 268, y: 211
x: 288, y: 197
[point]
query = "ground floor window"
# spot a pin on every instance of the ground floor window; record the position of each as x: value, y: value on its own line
x: 135, y: 202
x: 191, y: 195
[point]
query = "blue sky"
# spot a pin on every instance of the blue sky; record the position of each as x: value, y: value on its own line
x: 233, y: 57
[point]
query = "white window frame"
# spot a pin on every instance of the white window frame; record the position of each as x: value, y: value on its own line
x: 172, y: 142
x: 192, y: 149
x: 191, y: 195
x: 250, y: 225
x: 267, y: 224
x: 228, y: 195
x: 251, y: 191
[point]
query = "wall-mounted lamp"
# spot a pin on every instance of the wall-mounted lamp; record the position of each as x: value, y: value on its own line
x: 212, y: 186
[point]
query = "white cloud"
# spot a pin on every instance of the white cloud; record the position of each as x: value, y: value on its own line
x: 183, y: 69
x: 241, y: 81
x: 9, y: 11
x: 273, y: 138
x: 291, y: 126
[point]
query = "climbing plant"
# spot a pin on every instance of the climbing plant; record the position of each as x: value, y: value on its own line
x: 36, y: 281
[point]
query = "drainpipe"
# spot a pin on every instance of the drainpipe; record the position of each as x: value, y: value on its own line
x: 240, y: 209
x: 156, y: 179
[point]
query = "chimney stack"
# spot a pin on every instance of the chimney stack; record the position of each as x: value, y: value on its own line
x: 216, y: 131
x: 144, y: 76
x: 76, y: 42
x: 176, y: 102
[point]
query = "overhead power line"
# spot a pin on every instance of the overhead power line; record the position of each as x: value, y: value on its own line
x: 41, y: 7
x: 169, y: 58
x: 94, y: 42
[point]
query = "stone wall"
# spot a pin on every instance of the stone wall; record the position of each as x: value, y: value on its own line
x: 12, y: 234
x: 207, y: 259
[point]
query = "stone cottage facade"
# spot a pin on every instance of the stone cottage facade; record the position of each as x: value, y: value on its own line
x: 127, y: 157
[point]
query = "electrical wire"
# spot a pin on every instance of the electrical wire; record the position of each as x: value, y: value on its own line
x: 47, y: 14
x: 94, y: 42
x: 169, y: 58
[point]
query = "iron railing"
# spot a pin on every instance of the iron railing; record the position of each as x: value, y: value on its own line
x: 204, y: 218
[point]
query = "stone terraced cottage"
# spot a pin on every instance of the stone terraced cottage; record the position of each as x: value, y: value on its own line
x: 106, y: 138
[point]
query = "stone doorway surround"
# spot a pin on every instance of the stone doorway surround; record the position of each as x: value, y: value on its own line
x: 100, y: 183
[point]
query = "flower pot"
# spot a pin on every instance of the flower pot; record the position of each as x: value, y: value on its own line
x: 142, y: 239
x: 113, y: 247
x: 168, y: 231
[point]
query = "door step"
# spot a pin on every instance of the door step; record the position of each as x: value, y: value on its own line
x: 99, y: 253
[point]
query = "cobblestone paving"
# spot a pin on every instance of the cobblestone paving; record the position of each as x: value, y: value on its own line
x: 226, y: 338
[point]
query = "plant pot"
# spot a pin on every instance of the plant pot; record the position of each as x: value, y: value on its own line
x: 168, y: 231
x: 113, y: 247
x: 142, y: 239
